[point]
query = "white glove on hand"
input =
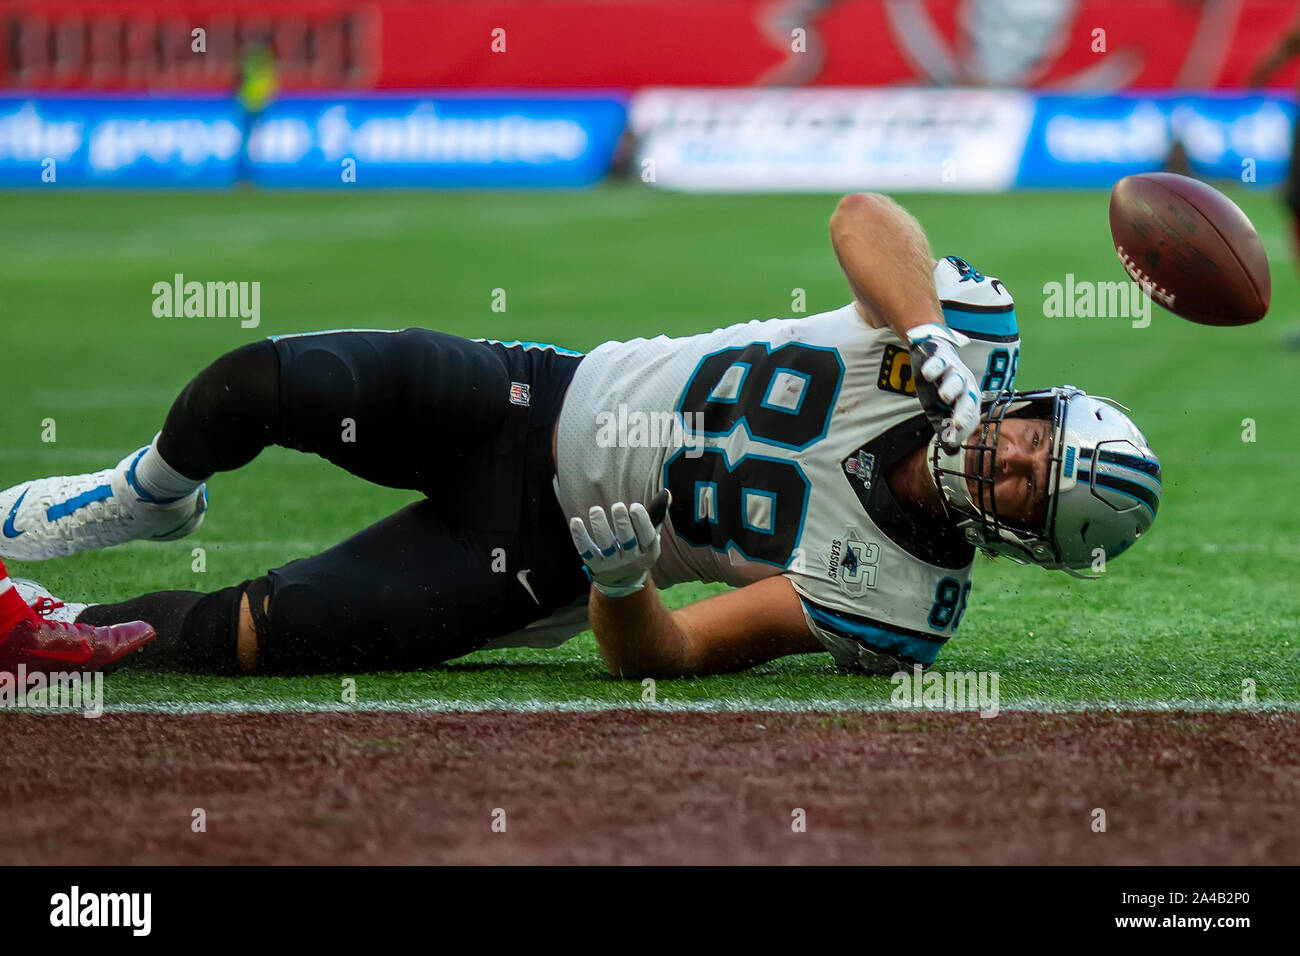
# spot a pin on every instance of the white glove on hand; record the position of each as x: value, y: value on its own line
x: 948, y: 390
x: 619, y: 558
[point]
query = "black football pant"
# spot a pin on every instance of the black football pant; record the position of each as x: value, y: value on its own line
x: 466, y: 423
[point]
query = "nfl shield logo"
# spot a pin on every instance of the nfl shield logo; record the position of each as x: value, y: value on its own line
x: 519, y: 394
x: 861, y: 466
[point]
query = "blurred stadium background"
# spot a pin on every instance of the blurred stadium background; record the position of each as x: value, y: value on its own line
x: 635, y: 167
x: 819, y: 95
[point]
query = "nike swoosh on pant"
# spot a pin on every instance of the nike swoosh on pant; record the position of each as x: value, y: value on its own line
x: 9, y: 530
x: 523, y: 579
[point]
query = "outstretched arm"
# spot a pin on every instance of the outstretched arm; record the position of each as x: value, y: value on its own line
x: 886, y: 259
x: 639, y: 637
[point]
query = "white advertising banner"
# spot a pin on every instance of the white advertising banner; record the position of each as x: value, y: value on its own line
x: 813, y: 140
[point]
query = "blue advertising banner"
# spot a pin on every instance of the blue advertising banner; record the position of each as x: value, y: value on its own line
x: 438, y: 141
x: 1079, y: 141
x: 451, y: 141
x: 119, y: 141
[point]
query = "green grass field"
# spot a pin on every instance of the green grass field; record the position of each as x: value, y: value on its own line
x: 1206, y: 600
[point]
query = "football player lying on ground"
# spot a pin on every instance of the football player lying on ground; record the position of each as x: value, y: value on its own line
x: 843, y: 505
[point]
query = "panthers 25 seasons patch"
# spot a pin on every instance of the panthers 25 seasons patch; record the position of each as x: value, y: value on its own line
x: 896, y: 371
x: 852, y: 562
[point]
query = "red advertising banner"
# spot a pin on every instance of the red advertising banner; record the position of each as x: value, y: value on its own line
x: 627, y: 44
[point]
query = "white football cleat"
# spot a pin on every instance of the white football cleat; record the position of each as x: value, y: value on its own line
x: 40, y: 600
x: 56, y: 517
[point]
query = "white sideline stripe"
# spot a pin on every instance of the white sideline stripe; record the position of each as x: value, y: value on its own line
x: 778, y: 705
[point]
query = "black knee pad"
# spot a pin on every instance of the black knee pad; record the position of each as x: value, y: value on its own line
x: 226, y: 415
x: 301, y: 633
x: 243, y: 383
x: 323, y: 386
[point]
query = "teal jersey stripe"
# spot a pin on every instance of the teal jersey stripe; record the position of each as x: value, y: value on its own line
x: 980, y: 323
x: 530, y: 345
x: 875, y: 638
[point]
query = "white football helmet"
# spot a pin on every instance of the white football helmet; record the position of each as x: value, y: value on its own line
x: 1103, y: 486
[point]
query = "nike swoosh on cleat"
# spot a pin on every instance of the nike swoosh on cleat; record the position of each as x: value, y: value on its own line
x: 72, y: 657
x: 523, y: 579
x: 162, y: 535
x: 9, y: 530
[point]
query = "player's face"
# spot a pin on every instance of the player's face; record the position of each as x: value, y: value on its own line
x: 1021, y: 463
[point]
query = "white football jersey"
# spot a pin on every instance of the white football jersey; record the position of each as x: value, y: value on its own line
x: 774, y: 437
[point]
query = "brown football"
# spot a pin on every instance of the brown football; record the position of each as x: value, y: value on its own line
x: 1190, y: 248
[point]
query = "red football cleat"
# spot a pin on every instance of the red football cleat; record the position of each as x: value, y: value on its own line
x: 45, y: 645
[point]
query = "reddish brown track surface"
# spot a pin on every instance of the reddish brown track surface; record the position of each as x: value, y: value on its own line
x: 643, y: 788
